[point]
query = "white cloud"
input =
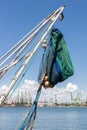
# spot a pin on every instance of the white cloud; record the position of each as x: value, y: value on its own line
x: 3, y: 89
x: 30, y: 83
x: 61, y: 94
x: 71, y: 87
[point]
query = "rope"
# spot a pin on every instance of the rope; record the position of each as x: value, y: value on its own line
x: 27, y: 35
x: 31, y: 114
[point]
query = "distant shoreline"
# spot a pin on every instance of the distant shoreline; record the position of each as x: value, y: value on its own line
x: 57, y: 106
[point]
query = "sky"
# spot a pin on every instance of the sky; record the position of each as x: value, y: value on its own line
x: 18, y: 17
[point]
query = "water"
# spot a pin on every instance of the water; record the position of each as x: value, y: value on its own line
x: 47, y: 118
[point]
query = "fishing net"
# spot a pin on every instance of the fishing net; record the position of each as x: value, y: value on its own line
x: 56, y: 60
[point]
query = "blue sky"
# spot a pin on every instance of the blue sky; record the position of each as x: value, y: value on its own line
x: 18, y: 17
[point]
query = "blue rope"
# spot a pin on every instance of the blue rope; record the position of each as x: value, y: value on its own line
x: 31, y: 112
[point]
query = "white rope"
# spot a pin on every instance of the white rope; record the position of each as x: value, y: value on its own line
x: 23, y: 39
x: 13, y: 63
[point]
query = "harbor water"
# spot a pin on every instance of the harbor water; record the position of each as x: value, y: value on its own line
x: 48, y: 118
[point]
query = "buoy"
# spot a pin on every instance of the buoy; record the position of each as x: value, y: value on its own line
x: 46, y: 83
x: 44, y: 44
x: 46, y: 78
